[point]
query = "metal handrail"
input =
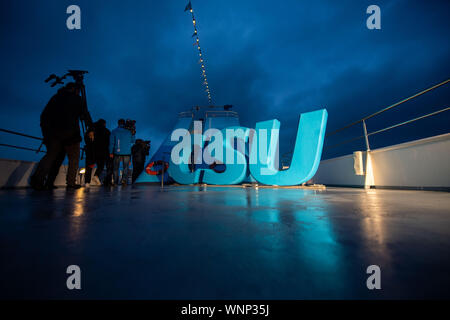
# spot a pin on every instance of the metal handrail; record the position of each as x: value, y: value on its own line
x: 389, y: 107
x: 212, y: 114
x: 22, y: 135
x: 342, y: 143
x: 363, y: 120
x: 388, y: 128
x: 186, y: 114
x: 409, y: 121
x: 22, y: 148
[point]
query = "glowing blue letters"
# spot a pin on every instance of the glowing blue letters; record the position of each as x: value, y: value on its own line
x: 262, y: 160
x: 306, y: 155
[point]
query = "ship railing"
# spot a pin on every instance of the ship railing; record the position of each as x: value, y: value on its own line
x: 186, y: 114
x: 286, y: 157
x: 39, y: 149
x: 215, y: 114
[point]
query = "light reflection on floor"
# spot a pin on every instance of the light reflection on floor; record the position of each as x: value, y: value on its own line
x: 224, y: 243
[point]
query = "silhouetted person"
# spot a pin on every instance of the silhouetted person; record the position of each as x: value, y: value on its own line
x: 139, y: 151
x: 109, y: 172
x: 61, y: 131
x: 102, y: 146
x: 54, y: 170
x: 120, y: 144
x: 97, y: 151
x: 89, y: 150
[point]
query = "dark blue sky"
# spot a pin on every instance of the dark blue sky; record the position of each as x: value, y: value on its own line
x: 269, y: 59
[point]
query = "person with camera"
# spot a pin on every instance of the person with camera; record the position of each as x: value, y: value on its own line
x: 121, y: 140
x: 139, y: 151
x: 61, y: 132
x: 97, y: 151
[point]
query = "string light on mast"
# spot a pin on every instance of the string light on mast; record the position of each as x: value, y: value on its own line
x: 197, y: 44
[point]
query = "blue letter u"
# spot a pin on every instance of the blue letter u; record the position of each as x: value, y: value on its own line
x: 306, y: 155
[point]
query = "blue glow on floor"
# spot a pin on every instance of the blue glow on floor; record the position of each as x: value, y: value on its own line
x: 224, y: 243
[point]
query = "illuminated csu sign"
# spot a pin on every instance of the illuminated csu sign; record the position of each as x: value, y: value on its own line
x: 243, y: 153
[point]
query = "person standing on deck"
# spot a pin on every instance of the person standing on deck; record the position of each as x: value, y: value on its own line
x: 97, y: 151
x: 139, y: 152
x: 61, y: 131
x: 120, y: 144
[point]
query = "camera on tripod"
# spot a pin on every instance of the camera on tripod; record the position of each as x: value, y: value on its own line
x: 78, y: 77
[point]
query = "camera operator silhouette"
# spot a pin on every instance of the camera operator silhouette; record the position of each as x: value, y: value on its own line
x: 139, y: 151
x: 61, y: 131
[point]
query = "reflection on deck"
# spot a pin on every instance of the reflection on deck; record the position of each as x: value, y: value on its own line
x: 213, y: 243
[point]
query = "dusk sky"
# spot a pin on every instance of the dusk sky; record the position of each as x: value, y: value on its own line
x: 269, y: 59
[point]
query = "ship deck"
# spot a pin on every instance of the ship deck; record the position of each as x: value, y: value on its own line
x: 190, y: 242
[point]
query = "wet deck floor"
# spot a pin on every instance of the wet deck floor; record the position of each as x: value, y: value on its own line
x: 224, y: 243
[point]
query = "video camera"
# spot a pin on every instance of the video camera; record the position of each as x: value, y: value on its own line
x: 130, y: 125
x: 146, y: 146
x: 143, y: 145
